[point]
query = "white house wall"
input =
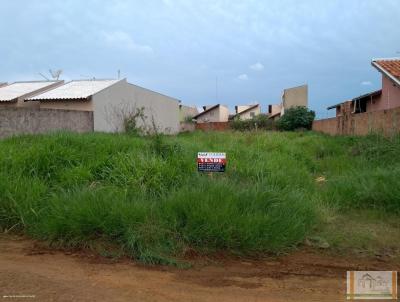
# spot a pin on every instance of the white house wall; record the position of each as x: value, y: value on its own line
x: 218, y: 114
x: 110, y: 103
x: 223, y: 114
x: 247, y: 115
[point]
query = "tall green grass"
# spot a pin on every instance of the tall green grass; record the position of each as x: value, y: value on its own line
x: 144, y: 197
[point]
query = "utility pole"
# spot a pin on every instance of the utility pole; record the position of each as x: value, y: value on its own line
x: 216, y: 89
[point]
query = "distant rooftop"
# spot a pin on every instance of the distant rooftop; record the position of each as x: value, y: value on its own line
x: 77, y: 89
x: 16, y: 90
x: 251, y: 107
x: 206, y: 110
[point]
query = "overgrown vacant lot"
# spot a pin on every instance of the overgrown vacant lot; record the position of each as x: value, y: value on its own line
x: 143, y: 197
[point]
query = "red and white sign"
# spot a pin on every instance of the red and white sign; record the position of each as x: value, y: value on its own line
x: 211, y: 161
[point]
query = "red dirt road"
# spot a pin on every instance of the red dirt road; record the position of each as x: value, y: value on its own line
x: 43, y: 275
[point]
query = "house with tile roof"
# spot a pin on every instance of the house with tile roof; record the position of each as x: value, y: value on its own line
x: 386, y: 98
x: 247, y: 112
x: 213, y: 114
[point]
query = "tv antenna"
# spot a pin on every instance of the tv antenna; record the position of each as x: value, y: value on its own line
x: 43, y: 76
x: 55, y: 74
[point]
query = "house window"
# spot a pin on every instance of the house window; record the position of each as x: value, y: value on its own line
x: 269, y: 109
x: 360, y: 106
x: 252, y: 114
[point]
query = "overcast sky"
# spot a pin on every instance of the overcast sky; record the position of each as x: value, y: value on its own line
x: 177, y: 47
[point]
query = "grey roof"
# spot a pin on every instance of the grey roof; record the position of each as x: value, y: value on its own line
x: 334, y: 106
x: 361, y: 97
x: 367, y: 95
x: 77, y: 89
x: 16, y: 90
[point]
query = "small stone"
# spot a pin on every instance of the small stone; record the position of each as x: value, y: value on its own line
x: 317, y: 241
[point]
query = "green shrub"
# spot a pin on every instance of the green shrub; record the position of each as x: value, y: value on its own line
x: 131, y: 120
x: 296, y: 118
x: 259, y: 122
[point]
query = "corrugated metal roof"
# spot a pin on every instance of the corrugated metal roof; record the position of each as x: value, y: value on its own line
x: 81, y: 89
x: 18, y: 89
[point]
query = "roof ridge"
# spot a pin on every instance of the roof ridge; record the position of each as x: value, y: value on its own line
x: 386, y: 59
x: 93, y: 80
x: 35, y: 81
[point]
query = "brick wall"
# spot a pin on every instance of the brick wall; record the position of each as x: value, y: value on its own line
x: 328, y: 126
x: 386, y: 122
x: 187, y: 127
x: 14, y: 121
x: 213, y: 126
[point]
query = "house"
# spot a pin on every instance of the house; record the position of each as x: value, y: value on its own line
x: 291, y: 97
x: 111, y: 101
x: 386, y: 98
x: 247, y: 112
x: 15, y: 94
x: 187, y: 112
x: 294, y: 97
x: 274, y: 111
x: 216, y: 113
x: 390, y: 97
x: 359, y: 104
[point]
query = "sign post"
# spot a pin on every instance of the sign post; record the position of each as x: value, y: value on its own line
x: 211, y: 162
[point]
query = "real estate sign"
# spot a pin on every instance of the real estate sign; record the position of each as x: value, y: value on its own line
x: 211, y: 162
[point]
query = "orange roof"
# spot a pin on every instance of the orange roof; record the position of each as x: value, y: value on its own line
x: 391, y: 66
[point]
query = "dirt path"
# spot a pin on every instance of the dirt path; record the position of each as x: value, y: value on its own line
x: 28, y: 270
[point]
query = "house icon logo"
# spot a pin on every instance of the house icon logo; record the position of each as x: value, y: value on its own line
x: 371, y: 285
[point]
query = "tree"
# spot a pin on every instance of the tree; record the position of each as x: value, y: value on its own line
x: 296, y: 118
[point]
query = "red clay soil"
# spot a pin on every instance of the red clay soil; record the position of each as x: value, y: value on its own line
x: 31, y: 273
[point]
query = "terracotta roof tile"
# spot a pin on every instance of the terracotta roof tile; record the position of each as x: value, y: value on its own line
x: 391, y: 66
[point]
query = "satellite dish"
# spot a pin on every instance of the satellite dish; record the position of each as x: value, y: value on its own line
x: 55, y: 74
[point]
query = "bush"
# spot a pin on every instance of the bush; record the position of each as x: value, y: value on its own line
x: 261, y: 122
x: 189, y: 119
x: 296, y: 118
x: 130, y: 121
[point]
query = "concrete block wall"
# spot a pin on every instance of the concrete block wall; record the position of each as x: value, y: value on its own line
x: 15, y: 121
